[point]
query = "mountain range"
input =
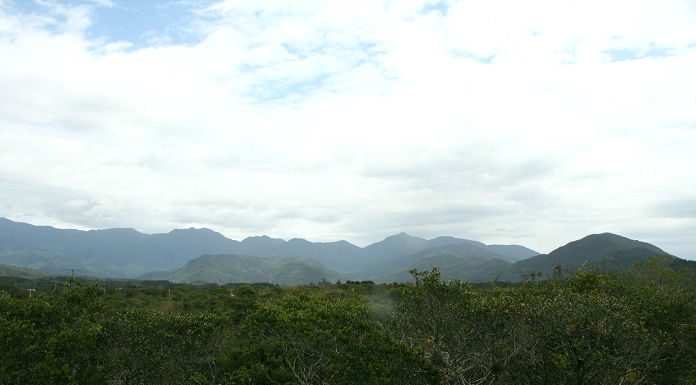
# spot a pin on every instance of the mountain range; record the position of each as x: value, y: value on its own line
x: 202, y: 255
x: 129, y: 253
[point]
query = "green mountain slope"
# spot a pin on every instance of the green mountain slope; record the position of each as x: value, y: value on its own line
x: 227, y: 268
x: 464, y: 268
x: 388, y: 271
x: 609, y: 252
x: 514, y: 252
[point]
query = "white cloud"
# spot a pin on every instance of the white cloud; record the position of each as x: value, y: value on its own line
x: 501, y: 121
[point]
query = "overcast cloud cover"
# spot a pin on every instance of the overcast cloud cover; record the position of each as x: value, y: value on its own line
x: 531, y: 122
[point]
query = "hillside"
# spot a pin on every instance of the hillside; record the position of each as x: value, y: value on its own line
x: 467, y: 269
x: 21, y: 272
x: 609, y: 252
x: 481, y: 263
x: 514, y: 252
x: 445, y: 257
x: 229, y: 268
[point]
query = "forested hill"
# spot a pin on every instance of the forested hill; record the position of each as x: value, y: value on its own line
x: 608, y: 252
x: 248, y: 269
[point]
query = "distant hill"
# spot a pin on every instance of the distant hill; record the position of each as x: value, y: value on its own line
x: 113, y: 252
x: 454, y: 257
x: 339, y: 255
x: 403, y: 244
x: 514, y: 252
x: 480, y: 263
x: 469, y: 269
x: 126, y: 252
x: 248, y: 269
x: 609, y: 252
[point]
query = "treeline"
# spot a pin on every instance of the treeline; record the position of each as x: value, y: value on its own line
x: 590, y: 328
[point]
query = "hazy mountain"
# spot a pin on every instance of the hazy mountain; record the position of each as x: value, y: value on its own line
x: 472, y: 263
x: 468, y: 269
x: 128, y: 253
x: 248, y: 269
x: 514, y: 252
x: 113, y: 252
x: 342, y: 255
x: 400, y: 245
x: 455, y: 253
x: 610, y: 252
x: 339, y: 255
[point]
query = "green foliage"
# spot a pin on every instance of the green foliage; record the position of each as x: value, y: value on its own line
x: 144, y: 347
x: 309, y: 338
x: 589, y: 328
x: 51, y: 339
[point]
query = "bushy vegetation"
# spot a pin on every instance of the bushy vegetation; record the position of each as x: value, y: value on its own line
x: 589, y: 328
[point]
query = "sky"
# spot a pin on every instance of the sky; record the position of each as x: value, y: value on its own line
x: 530, y: 122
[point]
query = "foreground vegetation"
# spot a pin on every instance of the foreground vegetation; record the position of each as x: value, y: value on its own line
x: 589, y: 328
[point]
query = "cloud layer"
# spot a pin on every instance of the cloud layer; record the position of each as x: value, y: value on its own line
x: 521, y: 122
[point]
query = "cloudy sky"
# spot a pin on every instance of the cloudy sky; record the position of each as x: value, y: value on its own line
x: 531, y: 122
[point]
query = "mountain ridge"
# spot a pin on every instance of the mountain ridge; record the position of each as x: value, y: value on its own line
x: 126, y: 252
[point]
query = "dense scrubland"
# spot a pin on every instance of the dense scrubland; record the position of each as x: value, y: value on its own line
x: 637, y: 327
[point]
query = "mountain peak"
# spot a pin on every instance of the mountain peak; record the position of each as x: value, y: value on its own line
x: 401, y: 235
x: 117, y: 230
x: 195, y: 230
x: 261, y: 238
x: 605, y: 235
x: 191, y: 229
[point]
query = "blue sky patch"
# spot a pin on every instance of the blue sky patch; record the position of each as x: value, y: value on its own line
x: 141, y: 23
x: 634, y: 54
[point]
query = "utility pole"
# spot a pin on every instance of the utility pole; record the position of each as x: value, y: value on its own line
x: 270, y: 278
x: 31, y: 291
